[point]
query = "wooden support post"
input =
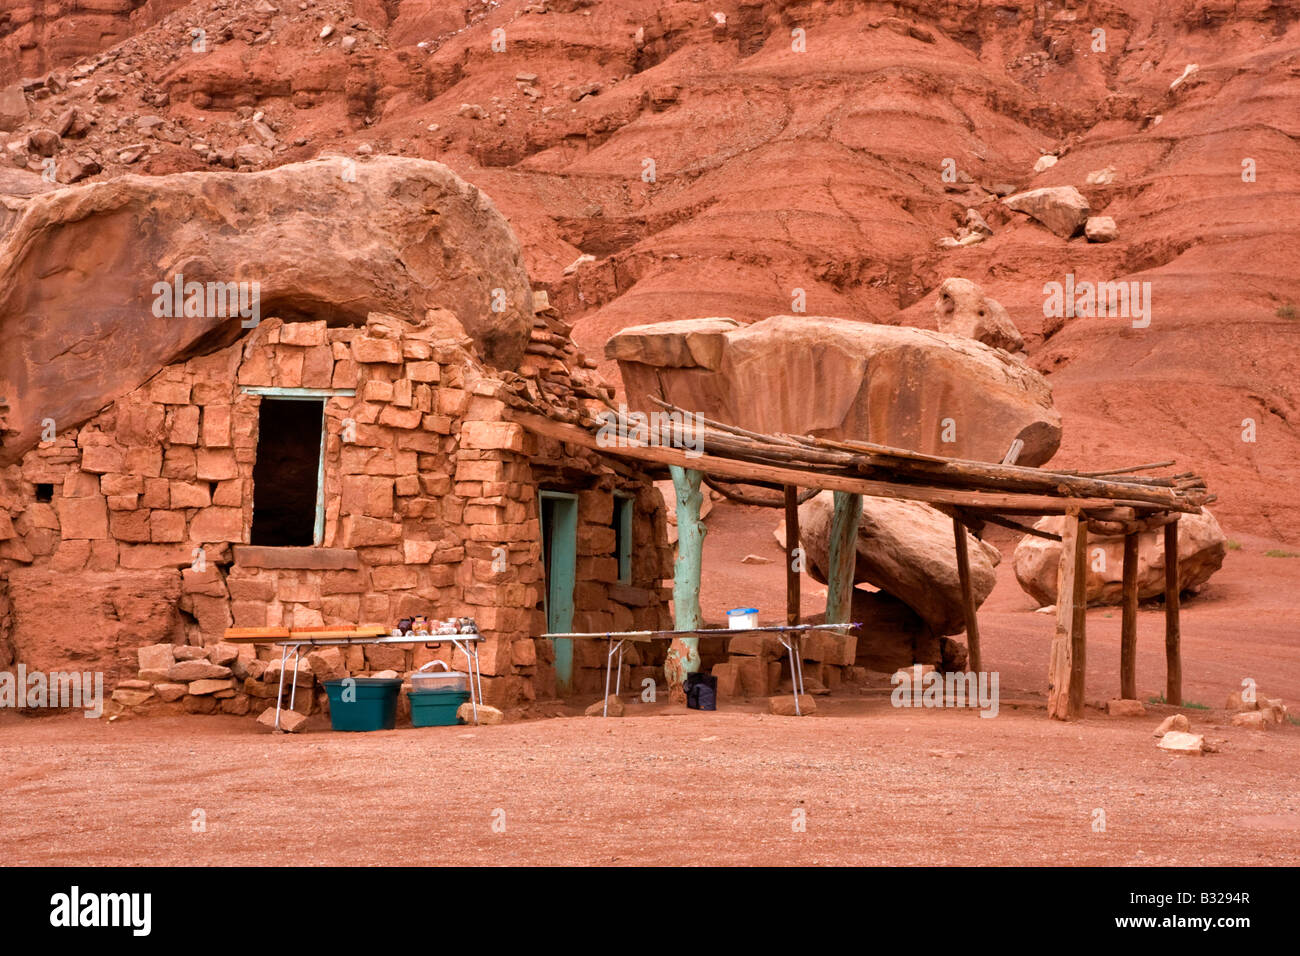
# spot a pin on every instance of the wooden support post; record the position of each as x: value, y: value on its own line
x: 967, y: 598
x: 1066, y: 671
x: 1128, y: 626
x: 684, y: 652
x: 1173, y: 636
x: 793, y: 561
x: 843, y: 557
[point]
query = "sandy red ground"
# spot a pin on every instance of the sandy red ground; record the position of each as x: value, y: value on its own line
x: 667, y: 786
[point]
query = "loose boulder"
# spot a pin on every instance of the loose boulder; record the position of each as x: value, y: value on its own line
x: 1062, y: 209
x: 84, y: 272
x: 842, y: 379
x: 963, y: 309
x: 1201, y: 548
x: 906, y: 549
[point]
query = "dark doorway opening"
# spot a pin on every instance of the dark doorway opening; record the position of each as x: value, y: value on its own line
x: 287, y: 471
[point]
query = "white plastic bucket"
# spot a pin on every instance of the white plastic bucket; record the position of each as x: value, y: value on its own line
x: 742, y: 618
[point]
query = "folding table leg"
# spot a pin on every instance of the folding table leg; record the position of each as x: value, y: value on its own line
x: 477, y: 676
x: 794, y: 673
x: 609, y: 664
x: 279, y: 696
x: 293, y: 691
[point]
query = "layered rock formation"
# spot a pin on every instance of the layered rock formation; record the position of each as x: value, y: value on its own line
x: 774, y: 178
x: 909, y: 388
x: 1201, y: 548
x: 80, y: 313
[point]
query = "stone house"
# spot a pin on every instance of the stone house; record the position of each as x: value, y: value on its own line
x: 320, y: 474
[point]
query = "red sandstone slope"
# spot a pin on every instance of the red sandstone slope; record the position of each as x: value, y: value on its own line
x: 778, y: 170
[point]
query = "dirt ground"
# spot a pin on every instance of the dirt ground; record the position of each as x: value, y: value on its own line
x: 877, y: 785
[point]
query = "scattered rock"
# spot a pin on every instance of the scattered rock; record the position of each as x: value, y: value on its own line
x: 586, y: 89
x: 976, y: 223
x: 1174, y: 722
x: 1046, y: 161
x: 1201, y: 548
x: 1062, y: 209
x: 252, y: 154
x: 1254, y: 719
x: 963, y: 309
x: 1125, y: 708
x: 616, y: 708
x: 1178, y: 742
x: 755, y: 559
x: 582, y: 260
x: 13, y: 108
x: 487, y: 714
x: 472, y: 110
x: 783, y: 705
x: 1101, y: 177
x: 1100, y: 229
x: 291, y: 722
x: 131, y: 698
x: 44, y: 142
x: 1187, y: 71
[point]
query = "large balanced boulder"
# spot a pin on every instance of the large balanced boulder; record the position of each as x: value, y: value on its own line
x: 963, y: 309
x: 78, y: 268
x: 1062, y: 209
x: 906, y: 387
x: 1201, y: 547
x: 906, y: 549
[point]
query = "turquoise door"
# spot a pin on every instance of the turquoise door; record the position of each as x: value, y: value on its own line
x: 559, y: 520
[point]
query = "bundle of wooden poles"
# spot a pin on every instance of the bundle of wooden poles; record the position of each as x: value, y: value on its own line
x: 1135, y: 495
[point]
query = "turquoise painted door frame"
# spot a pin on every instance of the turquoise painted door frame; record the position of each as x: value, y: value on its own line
x: 558, y: 518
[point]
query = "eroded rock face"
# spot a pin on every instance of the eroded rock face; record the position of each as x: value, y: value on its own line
x: 1201, y: 548
x: 78, y: 268
x: 906, y: 387
x: 906, y: 549
x: 963, y: 309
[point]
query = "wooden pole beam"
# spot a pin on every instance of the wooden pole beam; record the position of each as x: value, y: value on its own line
x: 1001, y: 502
x: 843, y: 557
x: 1128, y: 625
x: 793, y: 561
x: 684, y: 652
x: 1173, y: 636
x: 1070, y: 581
x: 1079, y: 626
x: 967, y: 597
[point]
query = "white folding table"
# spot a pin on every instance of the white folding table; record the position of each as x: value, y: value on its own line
x: 788, y: 634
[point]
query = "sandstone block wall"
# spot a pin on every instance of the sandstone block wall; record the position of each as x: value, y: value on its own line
x: 431, y: 508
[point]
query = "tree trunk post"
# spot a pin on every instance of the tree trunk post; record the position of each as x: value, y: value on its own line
x: 1128, y: 626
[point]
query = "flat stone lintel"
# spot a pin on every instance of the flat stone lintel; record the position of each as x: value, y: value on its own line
x: 313, y: 559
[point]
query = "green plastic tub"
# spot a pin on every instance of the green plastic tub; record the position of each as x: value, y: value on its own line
x: 372, y: 706
x: 435, y: 708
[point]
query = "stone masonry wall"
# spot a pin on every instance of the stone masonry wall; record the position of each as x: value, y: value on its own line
x: 430, y: 509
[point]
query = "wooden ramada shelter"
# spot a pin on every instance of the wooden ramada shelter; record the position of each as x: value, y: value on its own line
x: 1114, y: 502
